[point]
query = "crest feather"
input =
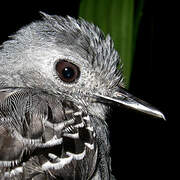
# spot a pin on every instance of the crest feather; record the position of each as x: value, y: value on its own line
x: 88, y: 39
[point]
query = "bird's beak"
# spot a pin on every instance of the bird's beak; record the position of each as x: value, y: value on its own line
x: 124, y: 98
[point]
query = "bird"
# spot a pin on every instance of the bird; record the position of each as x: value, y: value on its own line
x: 58, y: 81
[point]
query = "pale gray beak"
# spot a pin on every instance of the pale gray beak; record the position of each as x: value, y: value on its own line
x: 124, y: 98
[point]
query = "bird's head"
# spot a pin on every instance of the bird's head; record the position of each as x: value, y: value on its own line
x: 65, y: 55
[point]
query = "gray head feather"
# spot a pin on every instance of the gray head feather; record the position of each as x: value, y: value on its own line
x: 28, y: 59
x: 77, y: 36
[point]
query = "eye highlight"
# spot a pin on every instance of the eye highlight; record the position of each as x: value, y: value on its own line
x: 67, y: 72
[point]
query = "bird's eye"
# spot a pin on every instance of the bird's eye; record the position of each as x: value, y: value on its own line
x: 67, y: 72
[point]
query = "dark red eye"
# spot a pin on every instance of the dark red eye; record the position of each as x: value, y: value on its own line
x: 67, y: 71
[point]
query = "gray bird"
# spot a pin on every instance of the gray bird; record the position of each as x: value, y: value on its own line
x: 58, y: 78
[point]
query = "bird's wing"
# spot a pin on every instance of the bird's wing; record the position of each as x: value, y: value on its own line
x: 44, y: 136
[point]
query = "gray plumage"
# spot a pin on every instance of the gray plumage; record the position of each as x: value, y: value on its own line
x: 56, y: 78
x: 27, y: 60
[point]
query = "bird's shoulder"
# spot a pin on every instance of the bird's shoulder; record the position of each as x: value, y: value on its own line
x: 38, y: 127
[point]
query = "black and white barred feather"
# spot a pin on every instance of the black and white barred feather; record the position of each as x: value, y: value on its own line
x: 45, y: 136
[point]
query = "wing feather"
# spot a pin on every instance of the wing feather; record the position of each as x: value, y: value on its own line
x: 44, y: 135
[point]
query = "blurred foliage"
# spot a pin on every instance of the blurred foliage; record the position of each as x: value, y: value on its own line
x: 120, y: 19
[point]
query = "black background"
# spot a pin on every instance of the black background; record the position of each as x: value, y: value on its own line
x: 140, y: 143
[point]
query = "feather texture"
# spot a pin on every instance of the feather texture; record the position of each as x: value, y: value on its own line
x: 51, y: 129
x: 46, y: 136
